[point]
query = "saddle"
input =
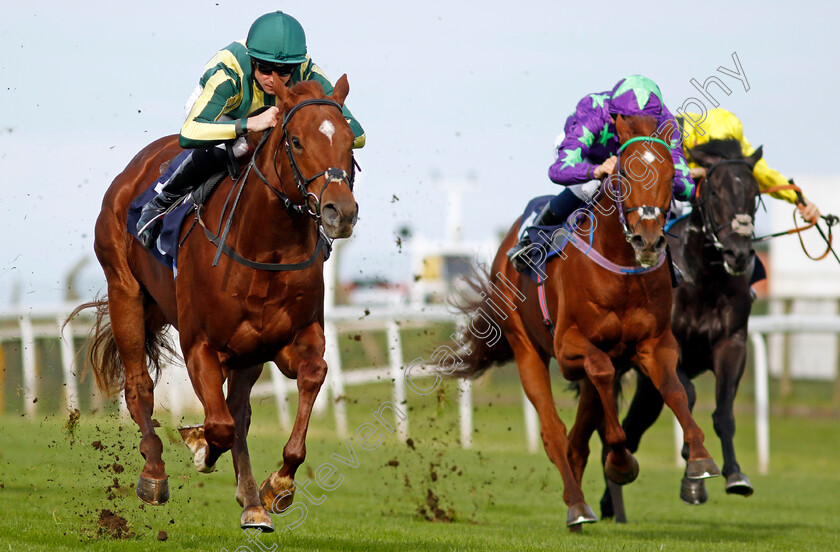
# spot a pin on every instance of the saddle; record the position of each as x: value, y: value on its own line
x: 166, y: 247
x: 547, y: 241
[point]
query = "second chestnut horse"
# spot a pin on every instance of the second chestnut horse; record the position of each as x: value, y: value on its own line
x: 606, y: 317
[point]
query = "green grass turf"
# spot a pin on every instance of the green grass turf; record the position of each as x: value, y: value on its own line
x: 55, y: 485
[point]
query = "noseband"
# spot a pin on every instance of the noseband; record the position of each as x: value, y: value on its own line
x: 647, y: 212
x: 742, y: 223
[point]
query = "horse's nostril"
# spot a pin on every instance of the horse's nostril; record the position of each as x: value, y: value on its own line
x: 329, y: 213
x: 660, y: 242
x: 637, y: 241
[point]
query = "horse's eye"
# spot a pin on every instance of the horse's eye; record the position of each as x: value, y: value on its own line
x: 296, y: 143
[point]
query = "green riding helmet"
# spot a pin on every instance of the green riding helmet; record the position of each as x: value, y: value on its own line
x: 277, y: 38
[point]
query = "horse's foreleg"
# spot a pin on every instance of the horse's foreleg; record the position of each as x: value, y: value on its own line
x: 658, y: 360
x: 125, y: 304
x: 304, y: 358
x: 621, y: 467
x: 729, y: 360
x: 219, y: 428
x: 533, y: 371
x: 644, y: 409
x: 240, y: 383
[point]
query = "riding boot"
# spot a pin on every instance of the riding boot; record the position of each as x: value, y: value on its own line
x: 198, y: 166
x: 546, y: 217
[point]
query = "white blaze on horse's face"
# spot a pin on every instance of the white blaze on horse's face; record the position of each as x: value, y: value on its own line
x: 328, y: 129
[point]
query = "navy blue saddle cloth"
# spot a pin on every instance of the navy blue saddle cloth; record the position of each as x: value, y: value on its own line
x: 165, y: 249
x: 548, y: 241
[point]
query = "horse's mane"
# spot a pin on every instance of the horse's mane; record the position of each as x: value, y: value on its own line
x: 727, y: 149
x: 641, y: 125
x: 308, y: 88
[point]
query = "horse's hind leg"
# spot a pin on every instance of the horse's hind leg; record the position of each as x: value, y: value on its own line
x: 533, y: 371
x: 658, y: 360
x: 729, y: 360
x: 125, y: 306
x: 240, y: 383
x: 590, y: 415
x: 305, y: 359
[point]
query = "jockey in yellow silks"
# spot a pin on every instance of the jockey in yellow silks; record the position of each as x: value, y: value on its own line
x: 720, y: 124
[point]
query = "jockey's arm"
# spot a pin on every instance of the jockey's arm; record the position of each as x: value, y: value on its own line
x: 668, y: 130
x: 769, y: 178
x: 572, y: 165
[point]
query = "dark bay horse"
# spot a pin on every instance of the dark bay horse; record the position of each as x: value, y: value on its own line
x: 264, y: 301
x: 604, y: 320
x: 713, y: 247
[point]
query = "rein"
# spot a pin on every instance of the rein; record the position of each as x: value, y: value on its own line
x: 332, y: 174
x: 830, y: 221
x: 647, y: 212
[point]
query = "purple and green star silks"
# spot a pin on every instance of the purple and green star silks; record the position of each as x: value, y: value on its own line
x: 591, y: 138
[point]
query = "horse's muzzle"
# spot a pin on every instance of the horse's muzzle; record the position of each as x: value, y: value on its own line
x: 648, y: 247
x: 339, y: 218
x: 736, y: 260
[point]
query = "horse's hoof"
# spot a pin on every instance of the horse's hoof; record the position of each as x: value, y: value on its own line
x: 193, y: 436
x: 153, y: 491
x: 738, y: 483
x: 580, y: 513
x: 621, y: 477
x: 701, y: 469
x: 256, y: 516
x: 693, y: 492
x: 277, y: 493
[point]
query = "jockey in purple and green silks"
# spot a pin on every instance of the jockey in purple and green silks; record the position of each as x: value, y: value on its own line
x: 588, y: 149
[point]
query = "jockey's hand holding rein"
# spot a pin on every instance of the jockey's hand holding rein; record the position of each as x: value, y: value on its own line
x: 607, y: 168
x: 697, y: 173
x: 267, y: 119
x: 808, y: 209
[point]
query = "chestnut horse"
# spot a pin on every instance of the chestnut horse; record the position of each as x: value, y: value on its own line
x: 713, y: 247
x: 603, y: 319
x: 263, y: 301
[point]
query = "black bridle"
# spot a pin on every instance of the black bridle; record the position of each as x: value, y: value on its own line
x: 742, y: 223
x: 332, y: 174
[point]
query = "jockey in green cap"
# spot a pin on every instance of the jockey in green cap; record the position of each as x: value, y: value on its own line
x: 236, y: 82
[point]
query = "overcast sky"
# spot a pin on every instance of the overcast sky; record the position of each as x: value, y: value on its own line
x: 451, y: 89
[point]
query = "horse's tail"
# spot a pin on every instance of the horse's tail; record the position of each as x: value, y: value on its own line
x: 103, y: 356
x: 479, y: 353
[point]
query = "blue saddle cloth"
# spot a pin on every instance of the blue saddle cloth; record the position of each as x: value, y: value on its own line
x: 548, y: 241
x: 165, y: 249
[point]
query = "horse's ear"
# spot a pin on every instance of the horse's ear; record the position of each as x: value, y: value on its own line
x: 341, y: 89
x: 702, y: 158
x: 753, y: 159
x: 622, y: 128
x: 285, y: 97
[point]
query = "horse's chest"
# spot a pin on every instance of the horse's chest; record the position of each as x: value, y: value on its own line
x: 614, y: 332
x: 262, y: 323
